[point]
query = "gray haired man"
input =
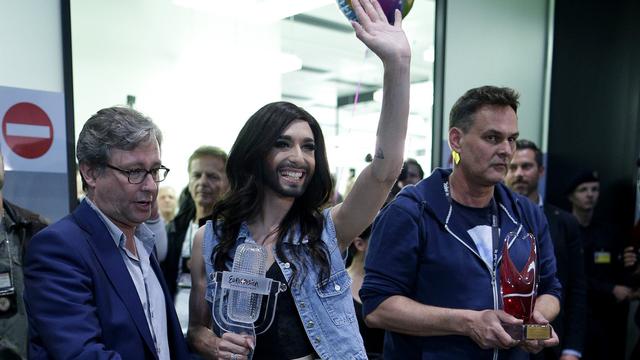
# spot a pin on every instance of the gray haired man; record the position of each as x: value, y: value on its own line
x: 93, y: 287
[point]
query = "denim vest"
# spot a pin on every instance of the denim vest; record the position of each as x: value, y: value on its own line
x: 326, y: 310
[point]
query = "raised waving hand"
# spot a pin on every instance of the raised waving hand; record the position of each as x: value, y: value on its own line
x: 373, y: 29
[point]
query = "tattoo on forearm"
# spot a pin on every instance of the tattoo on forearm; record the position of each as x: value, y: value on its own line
x: 379, y: 153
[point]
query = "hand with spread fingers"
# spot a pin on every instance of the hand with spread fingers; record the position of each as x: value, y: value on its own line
x: 387, y: 41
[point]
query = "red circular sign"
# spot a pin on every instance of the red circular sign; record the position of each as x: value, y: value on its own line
x: 27, y: 130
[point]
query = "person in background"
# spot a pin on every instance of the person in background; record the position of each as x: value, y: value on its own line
x: 80, y: 193
x: 373, y: 338
x: 335, y: 197
x: 350, y: 181
x: 157, y: 225
x: 93, y: 286
x: 185, y: 201
x: 434, y: 256
x: 279, y: 182
x: 207, y: 183
x: 523, y: 177
x: 608, y: 292
x: 17, y: 227
x: 411, y: 173
x: 167, y: 203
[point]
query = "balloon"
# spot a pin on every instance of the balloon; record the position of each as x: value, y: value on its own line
x: 388, y: 6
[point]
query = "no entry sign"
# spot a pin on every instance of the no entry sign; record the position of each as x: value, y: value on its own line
x: 33, y: 136
x: 27, y: 130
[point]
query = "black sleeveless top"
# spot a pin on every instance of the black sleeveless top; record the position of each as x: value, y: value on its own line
x: 286, y: 338
x: 373, y: 338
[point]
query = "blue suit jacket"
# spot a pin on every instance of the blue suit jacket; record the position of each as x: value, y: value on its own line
x: 80, y: 299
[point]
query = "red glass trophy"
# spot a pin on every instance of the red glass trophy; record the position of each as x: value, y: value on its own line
x: 519, y: 293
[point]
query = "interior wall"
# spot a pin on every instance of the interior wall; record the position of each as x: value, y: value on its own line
x: 495, y: 42
x: 595, y: 110
x: 32, y: 62
x: 199, y: 75
x: 595, y: 102
x: 31, y: 45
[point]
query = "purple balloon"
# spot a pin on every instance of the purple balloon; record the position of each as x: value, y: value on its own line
x: 388, y: 6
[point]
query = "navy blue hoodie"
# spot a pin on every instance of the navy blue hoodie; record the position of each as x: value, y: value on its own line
x: 418, y: 250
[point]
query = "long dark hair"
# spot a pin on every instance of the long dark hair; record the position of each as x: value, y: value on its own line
x: 245, y: 171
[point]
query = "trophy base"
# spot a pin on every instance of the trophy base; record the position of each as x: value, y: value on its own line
x: 528, y: 331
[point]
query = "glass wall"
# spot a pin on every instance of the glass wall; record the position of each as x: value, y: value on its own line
x: 200, y: 68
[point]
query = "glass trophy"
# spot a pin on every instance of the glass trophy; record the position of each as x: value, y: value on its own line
x: 519, y: 288
x: 244, y: 300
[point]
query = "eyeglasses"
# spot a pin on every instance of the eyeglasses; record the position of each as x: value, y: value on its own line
x: 137, y: 176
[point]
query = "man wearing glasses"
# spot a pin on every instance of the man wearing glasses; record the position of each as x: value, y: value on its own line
x: 93, y: 288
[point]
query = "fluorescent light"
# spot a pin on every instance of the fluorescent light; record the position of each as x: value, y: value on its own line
x: 203, y: 5
x: 429, y: 55
x: 288, y: 63
x: 260, y: 11
x: 421, y: 98
x: 281, y: 9
x: 377, y: 96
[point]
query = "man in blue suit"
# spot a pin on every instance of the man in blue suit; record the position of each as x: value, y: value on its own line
x: 93, y: 287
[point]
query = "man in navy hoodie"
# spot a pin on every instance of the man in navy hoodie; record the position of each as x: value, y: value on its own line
x: 432, y: 268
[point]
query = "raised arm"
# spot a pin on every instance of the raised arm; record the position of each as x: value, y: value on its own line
x: 370, y: 190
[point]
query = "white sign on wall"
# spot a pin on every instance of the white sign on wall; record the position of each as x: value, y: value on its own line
x: 33, y: 130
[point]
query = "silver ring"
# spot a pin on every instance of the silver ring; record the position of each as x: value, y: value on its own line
x: 233, y: 356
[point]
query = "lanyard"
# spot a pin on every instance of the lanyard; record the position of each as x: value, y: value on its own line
x: 495, y: 232
x: 493, y: 218
x: 7, y: 245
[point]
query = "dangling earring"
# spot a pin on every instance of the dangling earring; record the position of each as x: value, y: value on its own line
x: 456, y: 157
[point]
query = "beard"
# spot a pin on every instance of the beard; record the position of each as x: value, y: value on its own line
x: 275, y: 182
x: 522, y: 187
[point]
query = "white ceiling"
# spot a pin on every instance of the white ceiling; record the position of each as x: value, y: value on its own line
x: 334, y: 60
